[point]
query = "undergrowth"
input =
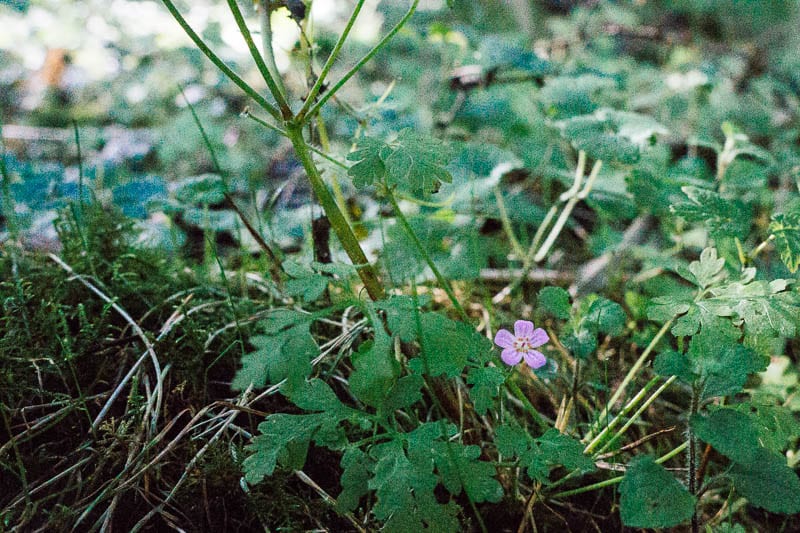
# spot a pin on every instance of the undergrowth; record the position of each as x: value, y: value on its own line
x: 569, y: 302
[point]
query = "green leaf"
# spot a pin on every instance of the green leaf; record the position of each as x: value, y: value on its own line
x: 768, y: 483
x: 376, y: 370
x: 776, y: 425
x: 708, y: 270
x: 539, y: 456
x: 559, y: 449
x: 672, y: 363
x: 404, y: 491
x: 283, y: 438
x: 554, y: 301
x: 729, y: 432
x: 316, y: 395
x: 607, y: 316
x: 786, y: 229
x: 417, y: 162
x: 400, y: 316
x: 460, y: 469
x: 598, y: 137
x: 369, y: 167
x: 286, y: 353
x: 724, y: 218
x: 448, y: 345
x: 354, y: 479
x: 663, y: 308
x: 651, y: 497
x: 581, y: 342
x: 206, y: 189
x: 511, y: 440
x: 406, y: 392
x: 305, y: 283
x: 723, y: 366
x: 485, y: 381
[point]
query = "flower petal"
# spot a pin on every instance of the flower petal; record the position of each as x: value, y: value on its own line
x: 511, y: 357
x: 523, y: 328
x: 539, y: 337
x: 535, y: 359
x: 504, y: 339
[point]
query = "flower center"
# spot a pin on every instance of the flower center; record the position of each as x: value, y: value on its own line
x: 522, y: 344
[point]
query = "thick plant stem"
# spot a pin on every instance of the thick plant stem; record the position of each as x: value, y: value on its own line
x: 338, y: 221
x: 424, y: 253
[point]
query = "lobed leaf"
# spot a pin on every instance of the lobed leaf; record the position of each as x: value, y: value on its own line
x: 651, y: 497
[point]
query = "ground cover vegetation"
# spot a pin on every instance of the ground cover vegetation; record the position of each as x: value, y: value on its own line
x: 457, y: 266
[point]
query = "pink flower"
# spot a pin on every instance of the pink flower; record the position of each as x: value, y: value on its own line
x: 521, y: 344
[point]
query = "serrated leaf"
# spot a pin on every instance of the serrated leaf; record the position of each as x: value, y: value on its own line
x: 722, y: 365
x: 485, y: 381
x: 786, y: 229
x: 404, y: 491
x: 554, y: 301
x: 459, y: 468
x: 417, y: 162
x: 284, y: 354
x: 768, y: 483
x: 560, y: 449
x: 729, y: 432
x: 305, y: 283
x: 651, y: 497
x: 511, y: 440
x: 723, y: 217
x: 708, y: 270
x: 282, y: 437
x: 581, y: 343
x: 776, y: 425
x: 369, y: 167
x: 663, y: 308
x: 448, y: 345
x: 406, y: 392
x: 400, y: 316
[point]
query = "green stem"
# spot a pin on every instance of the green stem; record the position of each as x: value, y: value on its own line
x: 276, y: 263
x: 501, y: 206
x: 333, y: 90
x: 632, y: 373
x: 267, y: 73
x: 514, y: 389
x: 281, y: 131
x: 338, y: 221
x: 198, y: 41
x: 312, y: 94
x: 266, y: 45
x: 424, y: 253
x: 615, y: 480
x: 440, y: 408
x: 638, y: 412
